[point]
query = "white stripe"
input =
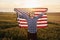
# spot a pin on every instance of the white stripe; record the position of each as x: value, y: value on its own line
x: 43, y: 15
x: 37, y: 25
x: 38, y: 19
x: 22, y: 25
x: 21, y: 22
x: 42, y: 22
x: 42, y: 19
x: 38, y: 12
x: 42, y: 25
x: 37, y: 22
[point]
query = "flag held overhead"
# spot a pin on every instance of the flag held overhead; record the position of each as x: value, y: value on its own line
x: 41, y: 22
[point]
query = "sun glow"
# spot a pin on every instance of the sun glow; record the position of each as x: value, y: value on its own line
x: 31, y: 4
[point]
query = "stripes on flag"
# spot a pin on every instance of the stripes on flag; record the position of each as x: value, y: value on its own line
x: 41, y: 22
x: 37, y: 24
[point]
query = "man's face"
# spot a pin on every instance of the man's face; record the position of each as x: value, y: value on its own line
x: 31, y: 14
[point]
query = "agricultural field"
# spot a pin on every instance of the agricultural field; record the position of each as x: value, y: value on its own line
x: 9, y: 29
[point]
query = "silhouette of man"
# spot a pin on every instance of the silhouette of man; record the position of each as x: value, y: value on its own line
x: 32, y: 23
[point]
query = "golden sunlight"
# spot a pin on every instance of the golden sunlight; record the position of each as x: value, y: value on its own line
x: 32, y: 4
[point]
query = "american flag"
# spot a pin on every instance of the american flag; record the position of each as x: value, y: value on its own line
x: 41, y: 23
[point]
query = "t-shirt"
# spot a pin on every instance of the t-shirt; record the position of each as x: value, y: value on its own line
x: 32, y: 23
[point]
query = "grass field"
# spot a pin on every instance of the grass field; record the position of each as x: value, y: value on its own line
x: 9, y: 29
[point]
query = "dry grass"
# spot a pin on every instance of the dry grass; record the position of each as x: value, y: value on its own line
x: 10, y: 30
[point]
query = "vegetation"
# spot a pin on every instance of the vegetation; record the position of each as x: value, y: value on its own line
x: 9, y: 29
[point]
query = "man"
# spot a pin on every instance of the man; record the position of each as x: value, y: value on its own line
x: 32, y: 23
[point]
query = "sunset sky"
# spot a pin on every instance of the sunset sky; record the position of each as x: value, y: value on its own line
x: 9, y: 5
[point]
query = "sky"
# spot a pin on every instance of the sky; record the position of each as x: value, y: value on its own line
x: 9, y: 5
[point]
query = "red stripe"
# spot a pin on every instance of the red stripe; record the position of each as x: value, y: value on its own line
x: 37, y: 23
x: 37, y: 27
x: 26, y: 21
x: 41, y: 20
x: 38, y: 14
x: 27, y: 24
x: 41, y: 26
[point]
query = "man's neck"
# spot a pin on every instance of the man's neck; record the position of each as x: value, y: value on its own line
x: 31, y: 17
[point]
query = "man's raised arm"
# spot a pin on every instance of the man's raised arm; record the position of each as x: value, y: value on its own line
x: 21, y: 13
x: 20, y: 10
